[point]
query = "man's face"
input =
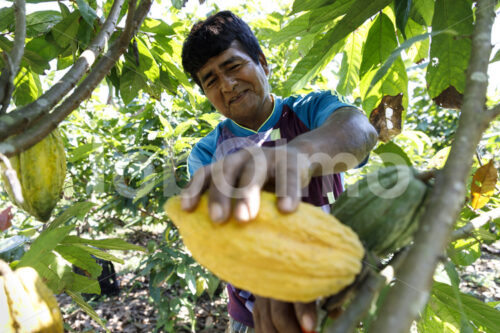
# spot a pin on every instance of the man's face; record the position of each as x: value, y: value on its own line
x: 237, y: 87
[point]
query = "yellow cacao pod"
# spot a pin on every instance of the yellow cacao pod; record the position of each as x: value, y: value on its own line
x: 294, y: 257
x: 41, y: 171
x: 26, y: 304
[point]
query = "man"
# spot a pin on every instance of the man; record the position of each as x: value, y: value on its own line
x: 297, y: 146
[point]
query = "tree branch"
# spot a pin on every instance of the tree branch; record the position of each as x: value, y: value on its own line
x: 415, y: 278
x: 13, y: 60
x: 494, y: 112
x: 475, y: 224
x: 49, y: 122
x: 19, y: 120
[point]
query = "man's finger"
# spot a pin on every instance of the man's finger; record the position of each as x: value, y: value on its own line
x: 306, y: 313
x: 224, y: 178
x: 190, y: 196
x: 262, y: 316
x: 287, y: 186
x: 284, y: 318
x: 253, y: 177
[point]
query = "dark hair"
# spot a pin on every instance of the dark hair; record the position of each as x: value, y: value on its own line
x: 213, y: 36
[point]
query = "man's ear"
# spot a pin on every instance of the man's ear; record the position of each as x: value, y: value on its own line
x: 263, y: 63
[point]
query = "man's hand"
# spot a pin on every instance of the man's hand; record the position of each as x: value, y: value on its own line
x: 242, y: 175
x: 272, y: 316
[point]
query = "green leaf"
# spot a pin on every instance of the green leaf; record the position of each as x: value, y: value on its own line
x: 303, y: 5
x: 147, y: 64
x: 393, y: 83
x: 496, y: 57
x: 44, y: 244
x: 65, y: 31
x: 87, y: 308
x: 110, y: 243
x: 213, y: 118
x: 43, y: 48
x: 7, y: 18
x: 392, y: 154
x: 379, y: 44
x: 184, y: 126
x: 396, y: 54
x: 88, y: 13
x: 41, y: 22
x: 449, y: 55
x: 83, y: 151
x: 98, y: 253
x: 324, y: 50
x: 419, y: 50
x: 351, y: 60
x: 131, y: 83
x: 312, y: 22
x: 157, y: 27
x: 464, y: 252
x: 422, y: 11
x: 28, y: 87
x: 77, y: 210
x: 402, y: 14
x: 80, y: 259
x: 482, y: 316
x: 83, y: 284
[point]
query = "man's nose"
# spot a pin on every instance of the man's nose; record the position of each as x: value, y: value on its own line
x: 228, y: 83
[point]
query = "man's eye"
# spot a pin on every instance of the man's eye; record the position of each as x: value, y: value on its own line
x: 210, y: 83
x: 234, y: 66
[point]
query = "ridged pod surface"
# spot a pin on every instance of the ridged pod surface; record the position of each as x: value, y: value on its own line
x: 41, y: 170
x: 26, y: 304
x: 382, y: 208
x: 294, y: 257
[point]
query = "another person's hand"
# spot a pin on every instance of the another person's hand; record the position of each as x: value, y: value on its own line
x: 272, y: 316
x: 242, y: 175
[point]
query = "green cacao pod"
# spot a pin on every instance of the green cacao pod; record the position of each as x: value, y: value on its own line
x: 383, y: 208
x: 41, y: 171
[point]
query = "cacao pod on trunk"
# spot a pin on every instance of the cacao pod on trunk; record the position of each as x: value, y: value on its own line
x: 41, y: 171
x: 383, y: 208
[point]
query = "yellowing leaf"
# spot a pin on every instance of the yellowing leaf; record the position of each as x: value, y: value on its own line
x: 483, y: 185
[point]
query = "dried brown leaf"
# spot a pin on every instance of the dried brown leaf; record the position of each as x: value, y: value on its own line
x: 483, y: 185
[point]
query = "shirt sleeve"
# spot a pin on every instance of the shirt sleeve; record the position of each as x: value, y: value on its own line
x: 202, y: 153
x: 314, y: 108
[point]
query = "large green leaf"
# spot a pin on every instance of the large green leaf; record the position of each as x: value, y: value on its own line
x: 324, y: 50
x: 43, y: 48
x: 303, y: 5
x: 98, y: 253
x: 312, y: 22
x: 131, y: 82
x: 41, y: 22
x: 110, y: 243
x: 28, y: 87
x: 392, y: 154
x: 44, y: 244
x: 6, y: 18
x: 78, y: 210
x: 80, y: 259
x: 419, y: 50
x: 88, y: 13
x: 449, y: 55
x: 446, y: 308
x: 393, y: 83
x: 351, y: 60
x: 402, y: 14
x: 30, y: 58
x: 147, y: 63
x: 422, y: 11
x: 65, y: 31
x: 157, y: 27
x: 379, y: 44
x: 83, y: 284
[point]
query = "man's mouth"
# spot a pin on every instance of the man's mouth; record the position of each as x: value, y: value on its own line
x: 238, y: 97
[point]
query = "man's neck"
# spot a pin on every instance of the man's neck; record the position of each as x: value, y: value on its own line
x: 256, y: 123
